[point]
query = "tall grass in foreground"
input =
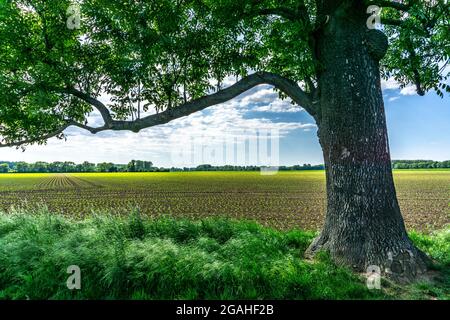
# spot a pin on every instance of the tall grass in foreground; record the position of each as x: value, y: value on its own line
x: 136, y: 258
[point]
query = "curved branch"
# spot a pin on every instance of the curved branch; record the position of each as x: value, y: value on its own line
x: 69, y: 123
x: 285, y: 85
x: 106, y: 115
x: 92, y: 130
x: 37, y: 139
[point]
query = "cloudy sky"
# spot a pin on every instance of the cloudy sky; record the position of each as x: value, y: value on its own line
x: 419, y: 128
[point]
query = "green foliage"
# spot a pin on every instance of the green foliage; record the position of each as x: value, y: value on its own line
x: 132, y: 166
x: 419, y: 50
x: 39, y: 58
x: 437, y: 245
x: 140, y: 166
x: 147, y: 166
x: 162, y: 259
x: 136, y: 258
x: 4, y: 167
x: 159, y: 54
x: 420, y: 164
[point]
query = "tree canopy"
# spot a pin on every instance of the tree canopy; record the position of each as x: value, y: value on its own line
x: 159, y: 60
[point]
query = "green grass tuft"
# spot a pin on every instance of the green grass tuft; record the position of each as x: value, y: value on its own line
x: 141, y: 258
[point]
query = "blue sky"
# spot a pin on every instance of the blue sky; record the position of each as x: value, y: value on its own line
x: 419, y: 128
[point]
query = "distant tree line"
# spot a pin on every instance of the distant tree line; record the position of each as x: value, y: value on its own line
x: 68, y: 166
x: 147, y: 166
x: 420, y: 164
x: 208, y: 167
x: 132, y: 166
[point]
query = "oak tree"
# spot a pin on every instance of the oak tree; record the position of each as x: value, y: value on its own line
x: 174, y: 55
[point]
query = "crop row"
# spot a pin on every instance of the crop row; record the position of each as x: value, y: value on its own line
x: 283, y: 201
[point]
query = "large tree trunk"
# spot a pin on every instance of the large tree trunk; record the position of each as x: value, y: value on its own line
x: 363, y: 226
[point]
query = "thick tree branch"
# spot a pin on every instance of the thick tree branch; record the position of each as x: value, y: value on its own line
x: 37, y: 139
x: 59, y: 131
x: 285, y: 85
x: 106, y: 115
x: 92, y: 130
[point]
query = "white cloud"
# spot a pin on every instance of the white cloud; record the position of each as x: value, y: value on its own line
x: 263, y: 94
x: 216, y: 123
x: 409, y: 91
x: 391, y: 99
x: 279, y: 106
x: 392, y: 84
x: 389, y: 84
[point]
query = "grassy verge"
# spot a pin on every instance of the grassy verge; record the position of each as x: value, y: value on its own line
x: 134, y: 258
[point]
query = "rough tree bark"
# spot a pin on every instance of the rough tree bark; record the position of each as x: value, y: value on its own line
x: 363, y: 226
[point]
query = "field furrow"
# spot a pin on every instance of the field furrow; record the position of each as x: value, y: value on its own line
x: 284, y: 201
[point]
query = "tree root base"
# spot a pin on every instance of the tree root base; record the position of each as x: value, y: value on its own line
x: 402, y: 263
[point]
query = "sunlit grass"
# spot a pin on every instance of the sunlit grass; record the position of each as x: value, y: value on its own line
x: 139, y: 258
